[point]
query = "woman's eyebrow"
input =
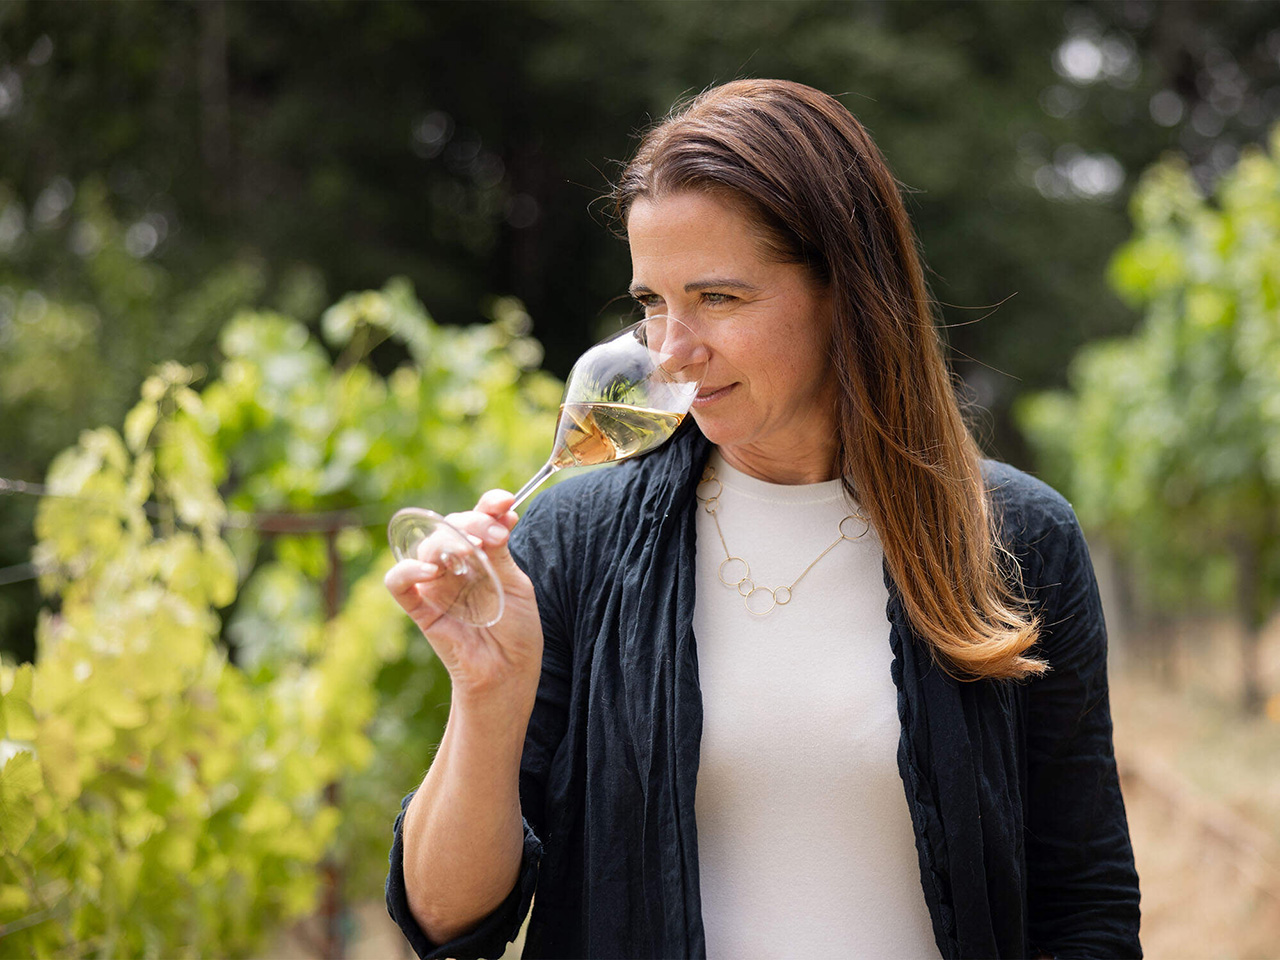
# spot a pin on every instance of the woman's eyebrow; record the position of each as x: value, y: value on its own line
x: 638, y: 289
x: 721, y: 283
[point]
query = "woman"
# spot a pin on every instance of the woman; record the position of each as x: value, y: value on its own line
x: 789, y: 783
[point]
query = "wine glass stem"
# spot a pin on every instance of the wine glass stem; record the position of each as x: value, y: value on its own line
x: 537, y: 480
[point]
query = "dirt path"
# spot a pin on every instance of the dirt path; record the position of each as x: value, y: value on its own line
x: 1201, y: 818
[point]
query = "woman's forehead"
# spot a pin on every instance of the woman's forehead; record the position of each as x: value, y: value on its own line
x: 710, y: 234
x: 692, y: 222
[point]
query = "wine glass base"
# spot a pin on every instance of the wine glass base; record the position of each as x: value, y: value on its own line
x: 466, y: 588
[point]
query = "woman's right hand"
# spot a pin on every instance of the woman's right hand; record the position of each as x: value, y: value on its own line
x: 485, y: 664
x: 463, y: 837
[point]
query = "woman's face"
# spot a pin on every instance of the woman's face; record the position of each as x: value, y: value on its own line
x: 769, y: 397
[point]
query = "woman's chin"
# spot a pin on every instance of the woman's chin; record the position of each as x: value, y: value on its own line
x: 712, y: 427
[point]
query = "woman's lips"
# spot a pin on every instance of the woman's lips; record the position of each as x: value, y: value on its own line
x: 707, y: 397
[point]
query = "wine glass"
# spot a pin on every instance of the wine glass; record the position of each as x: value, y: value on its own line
x: 624, y: 396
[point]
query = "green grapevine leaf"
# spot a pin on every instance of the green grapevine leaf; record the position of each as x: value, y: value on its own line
x: 17, y: 718
x: 19, y: 784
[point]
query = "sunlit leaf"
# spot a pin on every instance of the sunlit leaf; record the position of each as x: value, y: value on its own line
x: 19, y: 783
x: 139, y: 423
x: 17, y: 718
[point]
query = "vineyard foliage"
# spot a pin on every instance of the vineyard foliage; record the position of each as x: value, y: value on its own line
x: 1169, y: 440
x: 164, y: 761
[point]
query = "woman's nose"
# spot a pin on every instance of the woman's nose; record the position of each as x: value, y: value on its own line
x: 683, y: 354
x: 675, y: 338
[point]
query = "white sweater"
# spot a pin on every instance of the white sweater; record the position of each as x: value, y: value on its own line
x: 805, y: 842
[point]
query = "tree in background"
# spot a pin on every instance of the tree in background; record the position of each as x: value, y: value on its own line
x: 170, y: 786
x: 83, y: 320
x: 459, y: 144
x: 1169, y: 442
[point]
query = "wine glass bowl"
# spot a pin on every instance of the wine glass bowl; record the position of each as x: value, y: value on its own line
x: 625, y: 396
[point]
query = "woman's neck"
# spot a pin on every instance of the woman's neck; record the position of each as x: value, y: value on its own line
x: 790, y: 471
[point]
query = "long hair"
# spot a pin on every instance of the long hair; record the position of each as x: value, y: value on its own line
x: 809, y: 174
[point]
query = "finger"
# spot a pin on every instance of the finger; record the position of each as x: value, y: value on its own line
x: 496, y: 503
x: 402, y: 578
x: 499, y: 504
x: 410, y: 583
x: 481, y: 528
x: 493, y: 535
x: 439, y: 547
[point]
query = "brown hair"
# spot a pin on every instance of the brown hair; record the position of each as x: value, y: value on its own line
x: 824, y: 197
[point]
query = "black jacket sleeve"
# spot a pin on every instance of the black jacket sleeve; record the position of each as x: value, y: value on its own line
x: 491, y: 937
x: 1082, y: 885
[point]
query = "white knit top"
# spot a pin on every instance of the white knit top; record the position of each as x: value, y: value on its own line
x: 805, y: 842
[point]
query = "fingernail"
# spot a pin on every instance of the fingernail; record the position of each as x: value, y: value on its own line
x: 495, y: 533
x: 429, y: 569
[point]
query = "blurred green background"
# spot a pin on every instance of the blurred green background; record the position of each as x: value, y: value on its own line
x: 270, y: 270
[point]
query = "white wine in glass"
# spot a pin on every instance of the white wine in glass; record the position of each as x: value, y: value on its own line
x: 624, y: 397
x: 591, y: 433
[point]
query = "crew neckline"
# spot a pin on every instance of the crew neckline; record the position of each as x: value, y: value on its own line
x: 824, y: 491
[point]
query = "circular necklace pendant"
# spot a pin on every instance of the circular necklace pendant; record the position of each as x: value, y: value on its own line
x: 734, y: 564
x: 736, y: 572
x: 849, y: 527
x: 761, y: 601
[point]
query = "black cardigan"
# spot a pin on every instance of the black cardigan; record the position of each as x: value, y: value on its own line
x: 1012, y: 787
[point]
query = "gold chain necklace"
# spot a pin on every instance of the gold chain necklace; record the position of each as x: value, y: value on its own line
x: 746, y: 587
